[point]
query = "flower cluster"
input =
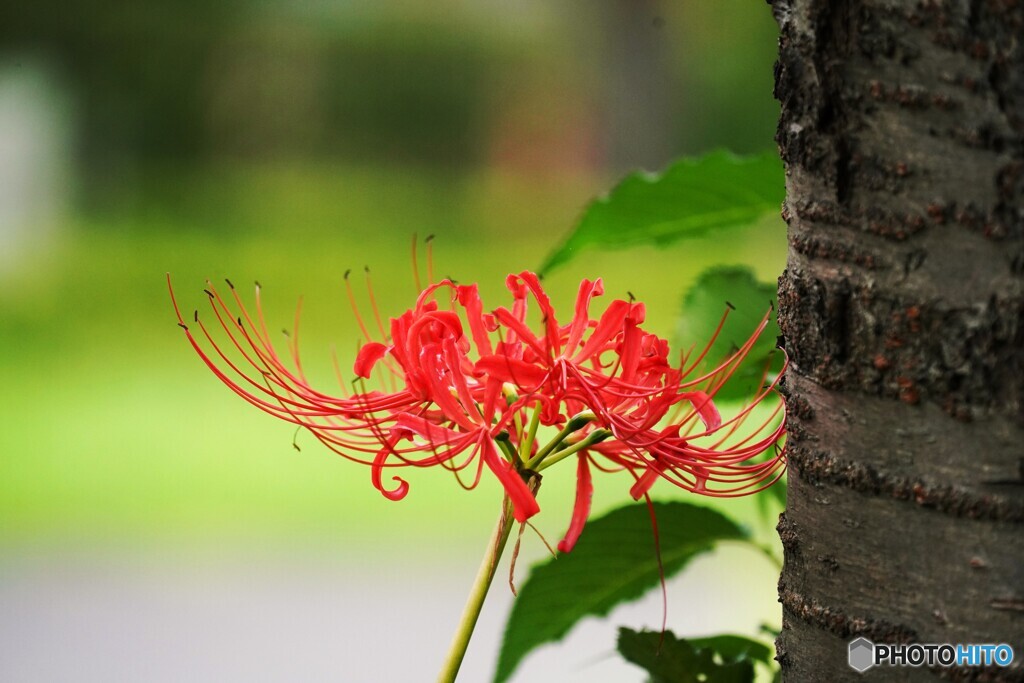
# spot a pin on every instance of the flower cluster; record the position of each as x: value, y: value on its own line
x: 466, y: 389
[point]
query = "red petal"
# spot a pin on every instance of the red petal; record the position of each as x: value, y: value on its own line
x: 368, y: 357
x: 432, y: 363
x: 608, y: 326
x: 514, y: 324
x: 378, y: 467
x: 581, y: 319
x: 520, y: 373
x: 705, y: 408
x: 580, y: 512
x: 546, y: 309
x: 645, y: 482
x: 469, y: 297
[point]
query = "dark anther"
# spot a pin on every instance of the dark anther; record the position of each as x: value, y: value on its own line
x: 430, y: 238
x: 258, y: 285
x: 195, y: 315
x: 366, y: 269
x: 239, y: 321
x: 229, y: 283
x: 780, y: 342
x: 347, y: 273
x: 208, y: 293
x: 631, y: 297
x: 285, y: 332
x: 183, y: 326
x: 729, y: 304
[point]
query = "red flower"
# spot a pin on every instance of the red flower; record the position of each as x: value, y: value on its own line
x: 462, y: 389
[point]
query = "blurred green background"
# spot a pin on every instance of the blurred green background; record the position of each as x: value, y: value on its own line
x: 289, y: 142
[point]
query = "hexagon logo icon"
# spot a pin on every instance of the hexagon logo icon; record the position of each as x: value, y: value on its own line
x: 862, y: 654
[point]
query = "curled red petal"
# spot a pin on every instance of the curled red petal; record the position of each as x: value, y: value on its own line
x: 368, y: 357
x: 646, y: 481
x: 705, y: 408
x: 423, y: 301
x: 378, y: 467
x: 581, y: 510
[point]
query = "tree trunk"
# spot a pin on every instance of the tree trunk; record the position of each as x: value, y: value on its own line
x: 902, y: 306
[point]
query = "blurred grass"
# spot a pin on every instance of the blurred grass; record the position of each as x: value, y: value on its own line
x: 114, y: 431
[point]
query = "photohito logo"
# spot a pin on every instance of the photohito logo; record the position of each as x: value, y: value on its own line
x: 863, y: 654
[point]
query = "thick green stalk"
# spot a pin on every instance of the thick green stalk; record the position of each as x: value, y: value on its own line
x: 531, y: 433
x: 477, y: 594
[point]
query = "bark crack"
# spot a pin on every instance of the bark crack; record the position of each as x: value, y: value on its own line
x: 835, y: 621
x: 819, y: 467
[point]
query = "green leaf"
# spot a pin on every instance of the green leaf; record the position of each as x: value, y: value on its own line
x: 677, y: 660
x: 716, y: 290
x: 734, y: 648
x: 690, y: 198
x: 614, y: 561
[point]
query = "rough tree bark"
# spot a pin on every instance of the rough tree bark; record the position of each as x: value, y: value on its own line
x: 902, y: 307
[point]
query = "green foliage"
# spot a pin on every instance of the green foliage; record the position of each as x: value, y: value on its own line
x: 730, y: 647
x: 614, y: 561
x: 716, y: 290
x: 717, y: 659
x: 692, y: 197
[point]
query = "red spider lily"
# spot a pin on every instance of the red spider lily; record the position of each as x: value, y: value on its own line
x: 469, y: 389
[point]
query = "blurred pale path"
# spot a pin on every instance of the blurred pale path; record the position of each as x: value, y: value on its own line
x: 309, y: 617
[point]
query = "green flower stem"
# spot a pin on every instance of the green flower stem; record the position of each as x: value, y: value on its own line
x: 477, y: 594
x: 531, y: 433
x: 573, y: 425
x: 596, y: 436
